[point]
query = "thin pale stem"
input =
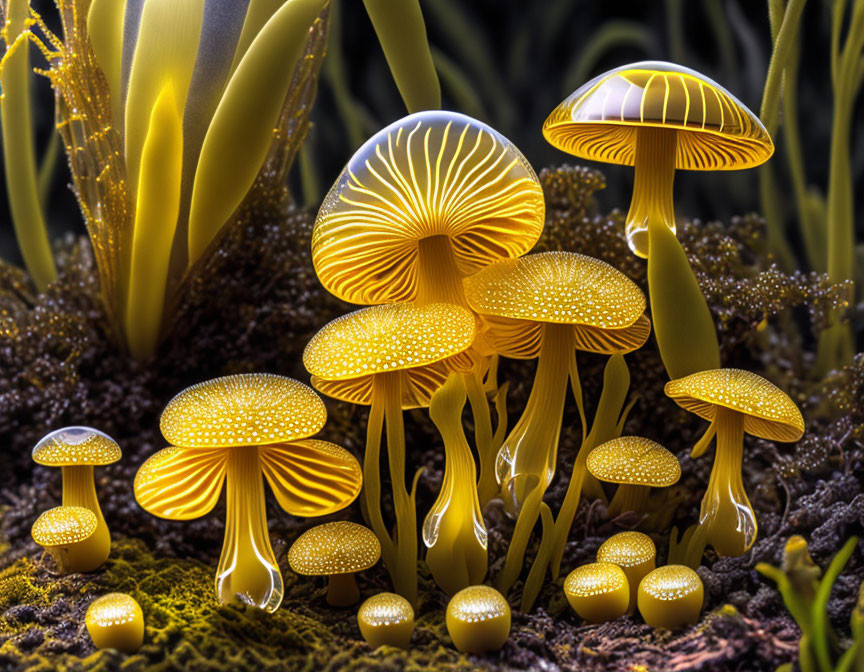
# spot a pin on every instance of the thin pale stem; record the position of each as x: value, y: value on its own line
x: 372, y: 481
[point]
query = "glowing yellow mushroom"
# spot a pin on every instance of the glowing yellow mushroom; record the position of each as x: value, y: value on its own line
x: 598, y: 592
x: 337, y: 550
x: 478, y: 620
x: 637, y: 464
x: 115, y: 621
x: 233, y: 430
x: 634, y: 553
x: 386, y: 619
x: 391, y: 357
x: 69, y: 534
x: 671, y: 597
x: 735, y: 402
x: 76, y: 450
x: 659, y: 117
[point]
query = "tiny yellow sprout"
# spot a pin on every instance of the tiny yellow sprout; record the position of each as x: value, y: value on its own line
x: 671, y: 597
x: 115, y: 621
x: 634, y: 553
x: 386, y: 619
x: 598, y: 592
x: 478, y: 619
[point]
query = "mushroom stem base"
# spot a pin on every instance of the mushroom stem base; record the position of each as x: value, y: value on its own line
x: 342, y: 590
x: 629, y: 498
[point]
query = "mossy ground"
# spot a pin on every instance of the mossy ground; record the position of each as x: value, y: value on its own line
x: 254, y: 307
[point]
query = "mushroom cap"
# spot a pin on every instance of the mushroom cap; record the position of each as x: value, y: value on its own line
x: 634, y: 460
x: 248, y: 409
x: 76, y: 446
x: 599, y: 120
x: 768, y: 411
x: 432, y: 173
x: 112, y: 609
x: 627, y: 549
x: 426, y: 341
x: 595, y: 579
x: 339, y: 547
x: 478, y: 619
x: 63, y: 526
x: 671, y: 582
x: 385, y: 609
x: 477, y: 603
x: 517, y: 296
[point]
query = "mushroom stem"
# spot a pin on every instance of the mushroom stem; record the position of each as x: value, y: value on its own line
x: 79, y: 489
x: 629, y: 498
x: 342, y: 590
x: 726, y: 515
x: 683, y: 324
x: 372, y: 483
x: 483, y: 437
x: 247, y: 566
x: 439, y: 279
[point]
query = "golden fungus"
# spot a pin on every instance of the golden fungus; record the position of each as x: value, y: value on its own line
x: 391, y: 357
x: 69, y: 534
x: 735, y: 402
x: 598, y: 592
x: 115, y: 621
x: 233, y: 430
x: 671, y: 597
x: 386, y: 619
x: 337, y: 550
x: 637, y: 464
x: 634, y: 553
x: 478, y: 620
x: 659, y: 117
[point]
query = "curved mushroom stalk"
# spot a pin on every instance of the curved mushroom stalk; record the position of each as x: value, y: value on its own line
x: 629, y: 498
x: 453, y: 530
x: 79, y: 489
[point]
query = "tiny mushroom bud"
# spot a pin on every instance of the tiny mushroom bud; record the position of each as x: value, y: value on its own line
x: 69, y: 534
x: 671, y: 597
x: 478, y: 619
x: 336, y: 550
x: 634, y: 553
x: 598, y: 592
x: 386, y: 619
x: 115, y: 621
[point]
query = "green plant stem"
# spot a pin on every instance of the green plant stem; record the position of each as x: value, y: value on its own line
x: 334, y: 73
x: 47, y: 168
x: 459, y: 86
x: 822, y: 633
x: 611, y: 35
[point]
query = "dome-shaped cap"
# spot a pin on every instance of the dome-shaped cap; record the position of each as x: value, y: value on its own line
x: 339, y: 547
x: 111, y: 610
x: 63, y: 525
x: 433, y: 173
x: 74, y: 446
x: 477, y: 603
x: 627, y: 549
x: 716, y: 131
x: 424, y: 340
x: 594, y: 579
x: 249, y: 409
x: 671, y: 582
x: 634, y: 460
x: 385, y: 609
x: 604, y: 306
x: 768, y: 412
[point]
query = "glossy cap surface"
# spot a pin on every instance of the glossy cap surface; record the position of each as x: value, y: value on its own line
x: 115, y: 621
x: 76, y: 446
x: 248, y: 409
x: 671, y: 597
x: 386, y: 619
x: 63, y: 526
x: 598, y: 591
x: 599, y: 121
x: 478, y: 619
x: 339, y: 547
x: 627, y: 549
x: 768, y: 412
x: 433, y: 173
x: 634, y: 460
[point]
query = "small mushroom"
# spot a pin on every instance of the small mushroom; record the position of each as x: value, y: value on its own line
x: 386, y: 619
x: 637, y: 464
x: 478, y: 620
x: 634, y: 553
x: 735, y: 402
x: 115, y: 621
x: 69, y: 534
x: 337, y: 550
x: 598, y: 591
x: 76, y: 450
x: 671, y: 597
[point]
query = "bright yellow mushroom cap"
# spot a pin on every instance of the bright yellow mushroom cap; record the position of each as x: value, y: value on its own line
x: 115, y: 621
x: 478, y: 619
x: 430, y: 174
x: 63, y: 526
x: 627, y: 549
x: 768, y: 412
x: 598, y: 591
x: 634, y: 460
x: 76, y: 446
x: 386, y: 618
x: 671, y: 597
x: 516, y: 296
x: 599, y: 120
x: 426, y: 341
x: 333, y: 548
x: 249, y: 409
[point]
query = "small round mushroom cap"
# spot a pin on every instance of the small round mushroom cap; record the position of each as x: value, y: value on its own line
x: 768, y: 411
x: 249, y: 409
x: 426, y: 341
x: 599, y: 120
x: 115, y: 621
x: 429, y: 174
x: 517, y: 296
x: 598, y: 591
x: 334, y: 548
x: 76, y: 446
x: 671, y: 597
x: 627, y: 549
x: 634, y: 460
x: 478, y: 619
x: 63, y: 526
x: 386, y: 619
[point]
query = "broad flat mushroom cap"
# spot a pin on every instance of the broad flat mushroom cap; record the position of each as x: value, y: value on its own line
x: 76, y: 446
x: 63, y: 526
x: 334, y: 548
x: 768, y: 412
x: 599, y: 121
x: 634, y: 460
